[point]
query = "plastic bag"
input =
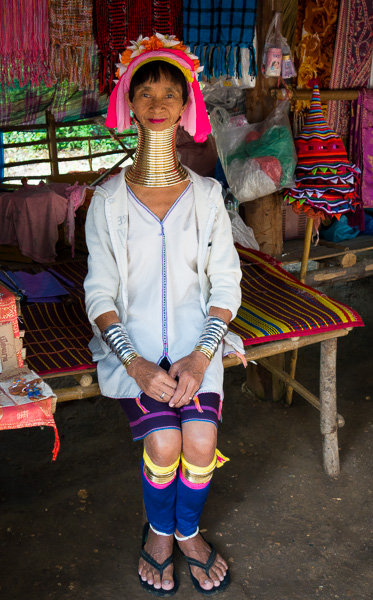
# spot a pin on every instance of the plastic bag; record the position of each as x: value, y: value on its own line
x: 272, y: 53
x: 242, y: 233
x: 232, y: 99
x: 277, y: 59
x: 257, y: 159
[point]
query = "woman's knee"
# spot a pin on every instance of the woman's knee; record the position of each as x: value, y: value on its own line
x: 163, y: 447
x: 199, y: 442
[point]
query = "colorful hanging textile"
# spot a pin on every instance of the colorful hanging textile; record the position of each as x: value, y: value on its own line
x: 27, y: 105
x: 361, y: 143
x: 71, y: 37
x: 24, y: 42
x: 352, y: 57
x: 324, y: 179
x: 315, y: 35
x: 216, y: 30
x: 117, y: 22
x: 275, y: 305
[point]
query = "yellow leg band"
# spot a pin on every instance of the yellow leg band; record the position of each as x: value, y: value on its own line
x: 156, y: 474
x: 202, y: 474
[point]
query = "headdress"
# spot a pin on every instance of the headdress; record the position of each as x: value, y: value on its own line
x: 168, y: 48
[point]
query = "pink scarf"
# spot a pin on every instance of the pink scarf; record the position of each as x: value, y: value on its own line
x: 194, y: 119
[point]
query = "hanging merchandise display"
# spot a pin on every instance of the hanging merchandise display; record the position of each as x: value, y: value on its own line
x: 217, y: 30
x: 325, y: 181
x: 361, y: 143
x: 24, y: 43
x: 258, y: 159
x: 314, y: 42
x: 352, y: 58
x: 277, y: 60
x: 72, y: 62
x: 117, y: 22
x: 272, y: 53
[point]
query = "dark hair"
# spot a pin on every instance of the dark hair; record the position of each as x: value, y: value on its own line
x: 152, y: 71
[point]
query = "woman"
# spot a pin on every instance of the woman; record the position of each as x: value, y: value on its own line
x: 162, y: 286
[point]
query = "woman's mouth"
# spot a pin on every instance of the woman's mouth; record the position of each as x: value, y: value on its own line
x: 156, y: 120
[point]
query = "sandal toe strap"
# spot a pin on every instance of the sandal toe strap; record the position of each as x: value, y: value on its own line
x: 205, y: 566
x: 149, y: 559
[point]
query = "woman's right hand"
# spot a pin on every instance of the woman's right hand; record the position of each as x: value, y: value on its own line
x: 152, y: 379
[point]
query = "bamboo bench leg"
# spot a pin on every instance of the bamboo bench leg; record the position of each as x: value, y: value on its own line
x: 328, y: 401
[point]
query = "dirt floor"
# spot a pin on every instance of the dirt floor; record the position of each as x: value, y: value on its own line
x: 71, y: 529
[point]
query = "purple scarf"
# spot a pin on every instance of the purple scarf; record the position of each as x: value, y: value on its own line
x: 361, y: 143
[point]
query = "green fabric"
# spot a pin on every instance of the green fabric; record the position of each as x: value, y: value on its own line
x: 276, y: 141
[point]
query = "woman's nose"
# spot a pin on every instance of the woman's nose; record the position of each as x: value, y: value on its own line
x: 157, y: 103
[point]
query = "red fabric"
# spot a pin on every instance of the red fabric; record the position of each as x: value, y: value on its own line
x: 26, y: 401
x: 8, y: 314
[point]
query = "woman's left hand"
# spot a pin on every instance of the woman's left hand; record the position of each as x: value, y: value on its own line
x: 190, y: 371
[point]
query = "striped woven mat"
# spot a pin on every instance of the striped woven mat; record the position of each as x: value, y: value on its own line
x: 275, y: 305
x: 57, y: 334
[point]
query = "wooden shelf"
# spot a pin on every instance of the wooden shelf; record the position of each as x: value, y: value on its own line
x: 293, y: 249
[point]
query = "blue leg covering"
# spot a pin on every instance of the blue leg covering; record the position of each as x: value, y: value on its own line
x: 190, y: 501
x: 160, y: 504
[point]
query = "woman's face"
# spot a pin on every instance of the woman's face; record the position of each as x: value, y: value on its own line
x: 157, y: 104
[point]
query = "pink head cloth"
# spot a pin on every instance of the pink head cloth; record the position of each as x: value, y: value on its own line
x: 194, y: 119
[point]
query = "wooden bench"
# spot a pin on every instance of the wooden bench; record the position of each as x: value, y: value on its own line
x: 326, y: 403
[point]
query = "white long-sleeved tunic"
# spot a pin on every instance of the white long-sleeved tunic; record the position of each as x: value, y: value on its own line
x: 151, y: 276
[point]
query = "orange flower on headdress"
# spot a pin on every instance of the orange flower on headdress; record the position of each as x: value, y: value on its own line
x: 150, y: 44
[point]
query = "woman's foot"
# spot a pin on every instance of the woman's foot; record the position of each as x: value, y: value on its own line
x: 197, y: 548
x: 160, y: 548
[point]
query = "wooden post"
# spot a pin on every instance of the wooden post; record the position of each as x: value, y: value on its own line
x: 264, y: 214
x: 52, y: 143
x: 90, y: 155
x: 328, y: 402
x: 302, y: 278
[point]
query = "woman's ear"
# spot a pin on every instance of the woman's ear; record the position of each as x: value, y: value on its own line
x: 184, y: 107
x: 127, y: 99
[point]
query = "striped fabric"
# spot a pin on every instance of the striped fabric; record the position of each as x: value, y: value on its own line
x: 325, y: 181
x: 27, y: 105
x: 210, y: 27
x: 275, y: 305
x: 57, y: 334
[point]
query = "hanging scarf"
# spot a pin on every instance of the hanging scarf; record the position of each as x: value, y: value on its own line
x: 361, y: 143
x: 211, y: 27
x: 72, y: 43
x: 117, y: 22
x: 352, y: 57
x: 24, y: 42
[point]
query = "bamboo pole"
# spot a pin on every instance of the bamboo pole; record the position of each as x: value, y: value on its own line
x: 263, y: 350
x: 302, y: 277
x: 77, y: 392
x: 325, y: 95
x: 90, y: 155
x: 52, y: 144
x: 299, y: 388
x: 68, y: 158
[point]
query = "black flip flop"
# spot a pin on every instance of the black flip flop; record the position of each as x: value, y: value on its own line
x: 160, y: 567
x: 192, y: 562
